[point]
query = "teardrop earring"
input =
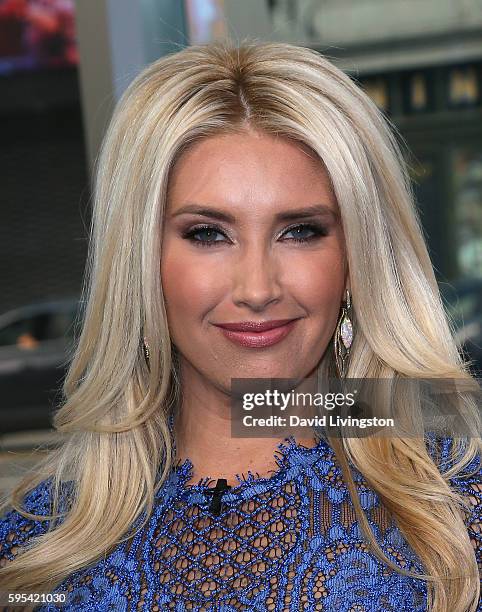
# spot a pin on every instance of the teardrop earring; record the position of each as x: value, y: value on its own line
x: 343, y: 337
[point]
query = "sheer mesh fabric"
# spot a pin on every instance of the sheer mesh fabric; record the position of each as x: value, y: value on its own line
x: 287, y: 542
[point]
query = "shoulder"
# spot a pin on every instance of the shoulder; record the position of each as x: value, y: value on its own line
x: 16, y: 529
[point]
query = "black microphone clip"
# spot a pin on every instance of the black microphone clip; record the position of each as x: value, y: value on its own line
x: 217, y: 492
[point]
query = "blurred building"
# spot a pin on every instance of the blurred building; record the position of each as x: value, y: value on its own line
x: 44, y: 179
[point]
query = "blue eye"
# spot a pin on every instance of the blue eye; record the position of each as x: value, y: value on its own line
x: 208, y: 230
x: 299, y: 232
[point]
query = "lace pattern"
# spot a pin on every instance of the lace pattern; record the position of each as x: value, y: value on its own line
x: 288, y: 542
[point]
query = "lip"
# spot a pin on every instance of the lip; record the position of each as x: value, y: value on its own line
x: 253, y: 334
x: 254, y: 326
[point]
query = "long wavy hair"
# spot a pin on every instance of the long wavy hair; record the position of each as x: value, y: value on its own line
x: 117, y: 449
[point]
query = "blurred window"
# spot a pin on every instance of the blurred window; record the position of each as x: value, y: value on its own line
x: 467, y: 172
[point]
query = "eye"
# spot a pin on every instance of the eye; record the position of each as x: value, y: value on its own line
x: 209, y: 232
x: 300, y: 231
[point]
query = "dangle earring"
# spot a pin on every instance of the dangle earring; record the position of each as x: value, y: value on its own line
x: 145, y: 347
x: 343, y: 337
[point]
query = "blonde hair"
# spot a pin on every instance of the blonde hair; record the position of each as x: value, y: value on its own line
x: 117, y: 451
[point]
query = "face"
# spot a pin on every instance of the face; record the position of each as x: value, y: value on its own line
x: 251, y: 234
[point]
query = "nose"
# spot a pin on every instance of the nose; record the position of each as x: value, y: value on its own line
x: 256, y: 279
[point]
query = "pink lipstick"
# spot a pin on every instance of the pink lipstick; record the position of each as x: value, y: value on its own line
x: 257, y: 334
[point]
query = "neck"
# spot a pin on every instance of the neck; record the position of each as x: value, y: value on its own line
x: 202, y: 430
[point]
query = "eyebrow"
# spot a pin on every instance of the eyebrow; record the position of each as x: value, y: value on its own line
x: 284, y: 215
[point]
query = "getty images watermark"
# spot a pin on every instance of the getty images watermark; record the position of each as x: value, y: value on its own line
x: 262, y: 407
x: 328, y: 401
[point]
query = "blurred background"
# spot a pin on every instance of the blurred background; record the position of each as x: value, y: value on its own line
x: 63, y: 66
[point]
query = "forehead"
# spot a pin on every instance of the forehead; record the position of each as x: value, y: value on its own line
x: 240, y: 167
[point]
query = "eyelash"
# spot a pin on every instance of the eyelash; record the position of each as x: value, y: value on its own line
x: 319, y: 231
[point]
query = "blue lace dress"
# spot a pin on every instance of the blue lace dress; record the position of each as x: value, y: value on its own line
x: 287, y: 542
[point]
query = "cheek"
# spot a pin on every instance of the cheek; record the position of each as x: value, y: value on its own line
x: 190, y: 286
x: 318, y: 281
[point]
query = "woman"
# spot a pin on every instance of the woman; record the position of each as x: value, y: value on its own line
x: 251, y: 183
